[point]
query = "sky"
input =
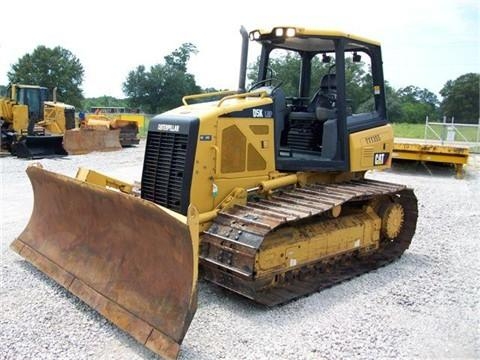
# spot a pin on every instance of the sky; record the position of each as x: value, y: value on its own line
x: 425, y: 43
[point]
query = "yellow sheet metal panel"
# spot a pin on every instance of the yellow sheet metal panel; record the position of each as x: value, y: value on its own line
x: 296, y: 246
x: 20, y: 117
x: 6, y: 109
x: 259, y: 160
x: 233, y: 150
x: 54, y: 118
x: 371, y: 149
x: 260, y: 129
x: 255, y: 160
x: 261, y: 142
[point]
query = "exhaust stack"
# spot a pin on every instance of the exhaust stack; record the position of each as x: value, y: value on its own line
x: 243, y: 60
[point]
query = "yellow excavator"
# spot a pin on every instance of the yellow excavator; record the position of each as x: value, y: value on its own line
x: 263, y: 191
x: 32, y: 126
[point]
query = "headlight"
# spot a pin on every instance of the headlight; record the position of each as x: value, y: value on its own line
x: 290, y: 32
x: 255, y: 35
x: 278, y: 32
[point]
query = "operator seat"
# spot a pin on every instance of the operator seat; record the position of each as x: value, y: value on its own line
x: 305, y: 130
x: 326, y: 94
x: 322, y: 104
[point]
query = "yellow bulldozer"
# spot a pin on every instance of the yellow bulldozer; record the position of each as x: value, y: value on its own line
x: 101, y: 131
x: 259, y: 191
x: 128, y: 124
x: 32, y: 126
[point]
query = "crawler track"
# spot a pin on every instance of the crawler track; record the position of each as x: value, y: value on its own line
x: 230, y: 246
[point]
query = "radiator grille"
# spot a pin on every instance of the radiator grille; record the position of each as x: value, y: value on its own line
x: 164, y: 169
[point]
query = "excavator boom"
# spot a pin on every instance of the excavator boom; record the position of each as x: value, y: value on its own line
x: 130, y: 260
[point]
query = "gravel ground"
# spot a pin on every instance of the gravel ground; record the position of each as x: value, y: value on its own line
x: 426, y: 305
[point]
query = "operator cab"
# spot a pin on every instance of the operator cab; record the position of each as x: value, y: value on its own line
x: 31, y: 96
x: 314, y: 116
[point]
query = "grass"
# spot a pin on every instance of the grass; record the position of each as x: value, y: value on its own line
x: 417, y: 131
x: 408, y: 130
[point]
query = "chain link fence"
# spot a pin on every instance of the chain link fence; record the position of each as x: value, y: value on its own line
x: 450, y: 132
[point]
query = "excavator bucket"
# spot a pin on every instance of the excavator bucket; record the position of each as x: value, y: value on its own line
x: 35, y: 147
x: 131, y: 260
x: 85, y: 140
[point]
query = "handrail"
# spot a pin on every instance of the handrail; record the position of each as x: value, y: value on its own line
x: 204, y: 95
x: 260, y: 94
x: 216, y: 150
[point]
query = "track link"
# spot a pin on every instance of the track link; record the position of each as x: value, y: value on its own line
x: 229, y: 246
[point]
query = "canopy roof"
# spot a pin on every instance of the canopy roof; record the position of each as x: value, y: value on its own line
x: 305, y: 39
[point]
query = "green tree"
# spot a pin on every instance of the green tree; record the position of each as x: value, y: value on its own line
x: 416, y: 104
x: 461, y: 98
x: 358, y: 86
x: 178, y: 59
x: 286, y: 68
x: 415, y: 94
x: 409, y: 104
x: 51, y: 68
x: 283, y: 68
x: 136, y: 86
x: 163, y: 86
x: 105, y: 100
x: 394, y: 106
x: 416, y: 112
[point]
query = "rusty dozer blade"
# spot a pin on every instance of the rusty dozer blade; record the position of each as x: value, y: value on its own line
x: 85, y: 140
x: 129, y: 259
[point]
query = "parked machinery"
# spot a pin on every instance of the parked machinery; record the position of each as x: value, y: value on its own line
x: 32, y: 126
x: 102, y: 131
x: 266, y: 192
x: 127, y: 123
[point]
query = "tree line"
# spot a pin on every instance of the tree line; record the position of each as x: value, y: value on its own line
x: 162, y: 86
